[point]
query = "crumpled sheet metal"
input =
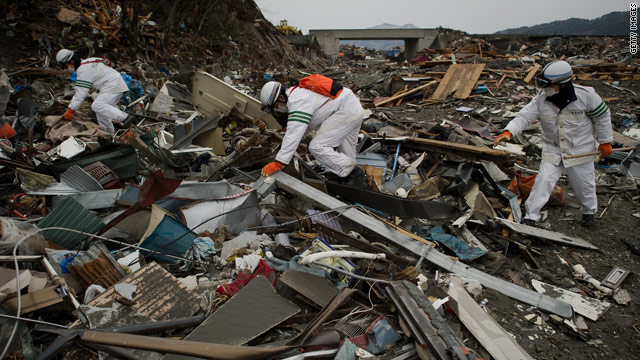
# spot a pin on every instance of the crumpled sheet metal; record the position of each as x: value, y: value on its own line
x: 293, y: 186
x: 209, y: 214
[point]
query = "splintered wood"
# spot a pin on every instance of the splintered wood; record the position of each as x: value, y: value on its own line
x: 459, y: 80
x: 534, y: 69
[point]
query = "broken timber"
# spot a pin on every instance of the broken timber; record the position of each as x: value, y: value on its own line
x: 470, y: 152
x: 460, y: 78
x: 531, y: 73
x: 402, y: 95
x: 317, y: 197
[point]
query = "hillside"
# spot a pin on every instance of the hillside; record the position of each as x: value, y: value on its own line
x: 171, y: 35
x: 612, y: 24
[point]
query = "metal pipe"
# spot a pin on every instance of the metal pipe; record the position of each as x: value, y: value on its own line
x: 342, y: 254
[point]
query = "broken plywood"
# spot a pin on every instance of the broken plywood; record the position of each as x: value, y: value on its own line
x: 588, y: 307
x: 460, y: 80
x: 250, y: 313
x: 534, y: 69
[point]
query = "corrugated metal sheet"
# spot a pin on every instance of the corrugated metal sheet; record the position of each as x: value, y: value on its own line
x: 79, y: 179
x: 71, y: 215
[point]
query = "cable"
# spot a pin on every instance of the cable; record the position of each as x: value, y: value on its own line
x: 344, y: 272
x: 34, y: 321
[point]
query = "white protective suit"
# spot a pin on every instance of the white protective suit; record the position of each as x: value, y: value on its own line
x: 336, y: 121
x: 109, y: 83
x: 570, y: 131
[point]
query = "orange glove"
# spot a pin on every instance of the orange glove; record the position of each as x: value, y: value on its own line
x: 68, y: 115
x: 605, y: 150
x: 272, y: 167
x: 506, y: 135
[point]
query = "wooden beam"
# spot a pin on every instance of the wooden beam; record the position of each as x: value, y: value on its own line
x: 501, y: 80
x: 470, y: 152
x: 394, y: 98
x: 532, y: 73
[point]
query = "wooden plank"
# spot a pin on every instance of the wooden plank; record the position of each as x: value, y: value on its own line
x: 460, y: 78
x: 35, y: 300
x: 501, y: 80
x: 394, y: 98
x: 532, y: 73
x: 440, y: 94
x: 405, y: 88
x: 469, y: 79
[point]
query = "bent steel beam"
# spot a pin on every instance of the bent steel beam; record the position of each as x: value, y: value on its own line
x: 318, y: 198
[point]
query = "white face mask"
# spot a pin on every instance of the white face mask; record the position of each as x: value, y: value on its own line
x: 70, y: 68
x: 550, y: 91
x: 282, y: 108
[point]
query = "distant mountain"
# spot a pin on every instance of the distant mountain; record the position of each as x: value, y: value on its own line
x: 612, y: 24
x: 380, y: 44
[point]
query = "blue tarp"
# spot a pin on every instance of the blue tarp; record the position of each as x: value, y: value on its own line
x: 463, y: 250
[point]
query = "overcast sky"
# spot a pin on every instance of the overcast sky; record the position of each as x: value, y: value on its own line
x: 471, y: 16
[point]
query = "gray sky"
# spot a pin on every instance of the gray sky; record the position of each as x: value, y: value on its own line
x: 472, y: 16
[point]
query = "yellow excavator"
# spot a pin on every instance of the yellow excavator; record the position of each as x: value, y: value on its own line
x: 287, y: 30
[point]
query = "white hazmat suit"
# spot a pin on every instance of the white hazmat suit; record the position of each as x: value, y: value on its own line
x: 573, y: 130
x: 92, y: 72
x: 336, y: 121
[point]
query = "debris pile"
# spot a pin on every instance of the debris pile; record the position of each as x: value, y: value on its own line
x: 164, y: 240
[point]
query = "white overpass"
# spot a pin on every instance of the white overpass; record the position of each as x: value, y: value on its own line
x: 414, y: 39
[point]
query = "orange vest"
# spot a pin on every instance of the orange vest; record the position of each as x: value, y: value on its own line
x: 321, y: 85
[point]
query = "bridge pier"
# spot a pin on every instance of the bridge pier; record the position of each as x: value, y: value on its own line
x: 414, y: 39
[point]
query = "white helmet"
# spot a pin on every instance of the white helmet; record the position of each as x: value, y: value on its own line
x: 557, y: 72
x: 63, y: 56
x: 269, y: 94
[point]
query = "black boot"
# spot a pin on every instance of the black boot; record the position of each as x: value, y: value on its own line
x: 357, y: 178
x: 588, y: 220
x: 529, y: 222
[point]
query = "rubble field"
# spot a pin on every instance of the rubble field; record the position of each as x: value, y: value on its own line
x: 164, y: 241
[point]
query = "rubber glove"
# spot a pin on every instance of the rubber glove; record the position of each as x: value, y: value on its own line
x: 272, y: 167
x: 605, y: 150
x: 68, y: 115
x: 506, y: 135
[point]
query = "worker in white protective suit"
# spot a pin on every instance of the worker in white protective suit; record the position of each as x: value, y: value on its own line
x: 93, y: 72
x: 336, y: 122
x: 573, y: 119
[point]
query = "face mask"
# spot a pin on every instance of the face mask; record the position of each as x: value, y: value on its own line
x: 70, y: 68
x: 282, y: 109
x: 550, y: 91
